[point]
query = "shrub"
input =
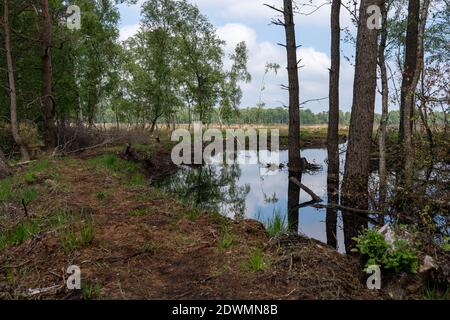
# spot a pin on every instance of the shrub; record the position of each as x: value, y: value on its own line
x: 399, y: 256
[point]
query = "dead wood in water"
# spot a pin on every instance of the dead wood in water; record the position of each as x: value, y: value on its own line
x: 315, y: 197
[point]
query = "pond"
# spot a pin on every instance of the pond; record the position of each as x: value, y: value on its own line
x: 255, y: 192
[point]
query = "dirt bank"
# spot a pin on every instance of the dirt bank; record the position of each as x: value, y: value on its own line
x: 132, y: 241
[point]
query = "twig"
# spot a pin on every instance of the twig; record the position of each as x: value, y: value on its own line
x: 24, y: 207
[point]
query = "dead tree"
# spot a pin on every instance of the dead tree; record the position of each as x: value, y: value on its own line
x: 292, y: 66
x: 333, y: 112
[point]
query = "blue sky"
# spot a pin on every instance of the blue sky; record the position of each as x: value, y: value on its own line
x: 249, y: 20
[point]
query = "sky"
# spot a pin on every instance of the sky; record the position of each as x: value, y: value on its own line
x: 249, y: 21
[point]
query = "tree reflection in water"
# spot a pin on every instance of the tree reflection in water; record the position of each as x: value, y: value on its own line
x: 211, y: 188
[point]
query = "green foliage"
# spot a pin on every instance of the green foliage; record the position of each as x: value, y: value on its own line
x: 101, y: 195
x: 434, y: 293
x: 277, y: 224
x: 113, y: 164
x: 138, y: 180
x: 140, y: 212
x: 29, y: 195
x: 91, y: 291
x: 257, y: 261
x: 227, y: 241
x: 71, y: 239
x: 399, y: 257
x: 20, y: 233
x: 6, y: 189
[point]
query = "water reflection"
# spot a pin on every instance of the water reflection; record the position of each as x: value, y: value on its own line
x: 258, y: 192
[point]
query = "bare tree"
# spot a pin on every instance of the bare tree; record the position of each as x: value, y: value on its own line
x: 333, y: 113
x: 47, y: 99
x: 333, y: 124
x: 12, y: 83
x: 356, y: 177
x: 295, y: 163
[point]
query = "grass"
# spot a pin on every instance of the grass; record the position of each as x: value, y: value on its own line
x: 101, y: 195
x: 71, y: 240
x: 138, y: 180
x: 151, y: 247
x: 140, y: 212
x: 91, y: 291
x: 277, y: 224
x: 155, y: 194
x: 30, y: 194
x: 432, y: 293
x: 193, y: 214
x: 20, y: 233
x: 227, y: 241
x: 113, y: 164
x: 256, y: 261
x: 6, y: 189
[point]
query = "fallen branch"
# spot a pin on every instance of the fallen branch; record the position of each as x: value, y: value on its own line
x: 344, y: 208
x: 315, y: 197
x: 91, y: 147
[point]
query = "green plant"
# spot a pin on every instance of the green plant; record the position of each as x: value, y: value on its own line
x: 138, y: 212
x: 101, y: 195
x: 137, y: 180
x: 91, y: 291
x: 70, y: 239
x: 20, y: 233
x: 402, y: 258
x: 256, y: 261
x: 226, y: 241
x: 29, y: 195
x: 399, y: 256
x: 6, y: 189
x: 86, y: 233
x: 433, y: 293
x: 446, y: 244
x: 193, y: 214
x: 150, y: 247
x: 30, y: 177
x: 276, y: 225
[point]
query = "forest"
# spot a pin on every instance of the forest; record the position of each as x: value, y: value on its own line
x: 92, y: 205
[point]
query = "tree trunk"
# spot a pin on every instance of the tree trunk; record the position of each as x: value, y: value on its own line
x: 4, y: 167
x: 333, y: 113
x: 294, y: 100
x: 12, y: 83
x: 356, y: 177
x: 333, y: 126
x: 408, y: 148
x: 48, y: 103
x: 384, y: 112
x: 293, y: 199
x: 409, y: 67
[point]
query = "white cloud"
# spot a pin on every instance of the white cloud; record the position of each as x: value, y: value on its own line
x: 128, y: 31
x: 313, y: 74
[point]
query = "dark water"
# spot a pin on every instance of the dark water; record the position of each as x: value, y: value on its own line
x: 247, y: 191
